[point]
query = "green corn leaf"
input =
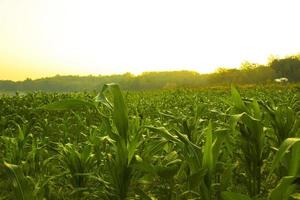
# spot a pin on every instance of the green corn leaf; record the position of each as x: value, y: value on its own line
x: 165, y: 133
x: 284, y: 188
x: 237, y: 100
x: 142, y: 194
x: 284, y: 148
x: 221, y: 136
x: 256, y: 109
x: 191, y: 148
x: 235, y: 118
x: 208, y: 151
x: 196, y: 178
x: 120, y: 114
x: 132, y: 149
x: 21, y: 187
x: 296, y: 196
x: 166, y: 172
x: 184, y: 139
x: 21, y: 135
x: 294, y: 162
x: 68, y: 104
x: 234, y: 196
x: 171, y: 116
x: 15, y: 177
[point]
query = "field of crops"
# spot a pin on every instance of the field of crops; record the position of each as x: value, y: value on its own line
x: 208, y: 144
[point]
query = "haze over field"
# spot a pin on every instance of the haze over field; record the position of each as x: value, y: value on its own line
x: 40, y: 38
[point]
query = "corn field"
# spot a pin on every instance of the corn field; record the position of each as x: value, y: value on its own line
x: 206, y: 144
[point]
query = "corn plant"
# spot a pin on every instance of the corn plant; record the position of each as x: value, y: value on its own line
x: 78, y: 164
x: 206, y: 144
x: 14, y: 147
x: 252, y: 140
x: 25, y: 187
x: 284, y: 121
x: 125, y: 146
x: 199, y: 164
x: 291, y: 183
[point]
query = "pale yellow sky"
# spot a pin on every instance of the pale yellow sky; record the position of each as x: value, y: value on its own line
x: 41, y: 38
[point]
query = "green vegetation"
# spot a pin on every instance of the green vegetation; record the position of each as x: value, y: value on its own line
x: 248, y: 73
x: 208, y: 144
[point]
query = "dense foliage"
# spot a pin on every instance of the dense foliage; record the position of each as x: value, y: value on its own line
x: 168, y: 144
x: 248, y: 73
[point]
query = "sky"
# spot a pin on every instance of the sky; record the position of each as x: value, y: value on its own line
x: 40, y: 38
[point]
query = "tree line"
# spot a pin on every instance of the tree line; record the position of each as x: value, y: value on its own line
x: 247, y: 73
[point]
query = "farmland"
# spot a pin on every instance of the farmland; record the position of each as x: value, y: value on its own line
x: 208, y: 144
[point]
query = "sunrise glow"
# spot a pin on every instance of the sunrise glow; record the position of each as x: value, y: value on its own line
x: 41, y: 38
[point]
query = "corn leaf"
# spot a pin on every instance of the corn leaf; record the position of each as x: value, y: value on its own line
x: 237, y: 100
x: 296, y: 196
x: 20, y: 186
x: 284, y: 188
x: 284, y: 149
x: 208, y: 151
x: 234, y: 196
x: 68, y: 104
x: 120, y: 115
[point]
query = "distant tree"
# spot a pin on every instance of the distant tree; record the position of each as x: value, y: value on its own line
x: 287, y: 67
x: 246, y: 66
x: 248, y: 73
x: 221, y: 70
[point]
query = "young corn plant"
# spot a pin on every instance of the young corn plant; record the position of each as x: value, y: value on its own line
x: 284, y: 121
x: 120, y: 163
x: 248, y: 119
x: 198, y: 164
x: 158, y: 162
x: 25, y: 187
x: 14, y: 147
x: 22, y: 189
x: 286, y: 124
x: 79, y: 165
x: 289, y: 185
